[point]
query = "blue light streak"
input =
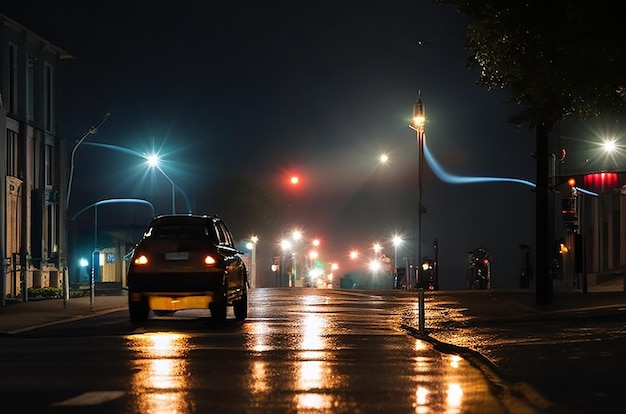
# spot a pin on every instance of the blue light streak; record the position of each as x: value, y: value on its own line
x: 457, y: 179
x: 112, y: 201
x: 445, y: 176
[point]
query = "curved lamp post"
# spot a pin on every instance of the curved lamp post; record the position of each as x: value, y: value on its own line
x: 153, y: 161
x: 95, y: 254
x: 90, y: 131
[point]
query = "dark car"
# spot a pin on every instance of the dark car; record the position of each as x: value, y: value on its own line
x: 186, y: 262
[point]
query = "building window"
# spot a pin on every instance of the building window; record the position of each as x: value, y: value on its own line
x: 13, y: 79
x: 48, y: 97
x: 30, y: 88
x: 12, y: 153
x: 48, y: 164
x: 50, y: 228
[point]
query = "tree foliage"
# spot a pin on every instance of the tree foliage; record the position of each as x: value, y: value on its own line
x: 557, y: 58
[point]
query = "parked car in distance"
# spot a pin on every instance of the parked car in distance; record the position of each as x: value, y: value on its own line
x: 186, y: 261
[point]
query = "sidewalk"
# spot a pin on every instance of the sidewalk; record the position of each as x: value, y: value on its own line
x: 20, y: 316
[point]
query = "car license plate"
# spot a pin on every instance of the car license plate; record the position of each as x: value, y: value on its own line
x: 177, y: 256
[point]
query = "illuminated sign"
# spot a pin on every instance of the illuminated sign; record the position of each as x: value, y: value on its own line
x: 603, y: 181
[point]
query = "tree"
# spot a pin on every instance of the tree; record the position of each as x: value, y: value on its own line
x: 557, y: 59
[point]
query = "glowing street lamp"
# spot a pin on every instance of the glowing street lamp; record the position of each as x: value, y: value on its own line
x: 150, y: 159
x: 296, y: 235
x: 417, y: 124
x: 377, y: 248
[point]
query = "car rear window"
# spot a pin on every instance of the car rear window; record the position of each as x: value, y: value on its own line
x: 180, y: 231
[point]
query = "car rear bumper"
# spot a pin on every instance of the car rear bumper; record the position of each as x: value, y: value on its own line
x: 174, y: 303
x: 176, y: 291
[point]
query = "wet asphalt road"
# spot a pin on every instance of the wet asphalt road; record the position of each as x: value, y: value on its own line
x: 562, y: 362
x: 300, y: 351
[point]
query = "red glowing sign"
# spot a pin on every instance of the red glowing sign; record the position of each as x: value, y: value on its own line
x: 599, y: 182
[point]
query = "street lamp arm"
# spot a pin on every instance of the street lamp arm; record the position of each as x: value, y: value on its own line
x: 90, y: 131
x: 114, y: 200
x: 140, y: 155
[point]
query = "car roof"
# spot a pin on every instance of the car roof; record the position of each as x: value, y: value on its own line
x: 182, y: 218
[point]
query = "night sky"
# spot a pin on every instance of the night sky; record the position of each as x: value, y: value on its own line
x: 321, y: 89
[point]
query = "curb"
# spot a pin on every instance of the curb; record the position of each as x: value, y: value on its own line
x: 517, y: 398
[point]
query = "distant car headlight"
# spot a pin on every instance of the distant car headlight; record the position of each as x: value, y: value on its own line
x: 209, y: 261
x: 141, y: 260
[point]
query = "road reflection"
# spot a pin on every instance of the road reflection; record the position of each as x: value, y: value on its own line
x: 315, y: 375
x: 159, y: 378
x: 441, y: 391
x: 307, y: 356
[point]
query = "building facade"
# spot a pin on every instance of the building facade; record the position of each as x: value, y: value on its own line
x: 594, y: 223
x: 32, y: 160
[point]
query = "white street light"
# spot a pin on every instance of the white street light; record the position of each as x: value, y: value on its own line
x: 377, y: 248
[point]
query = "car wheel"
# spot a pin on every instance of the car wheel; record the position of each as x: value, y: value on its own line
x: 240, y: 307
x: 138, y: 310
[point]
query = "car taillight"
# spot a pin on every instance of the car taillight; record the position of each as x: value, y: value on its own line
x: 141, y: 260
x: 209, y: 261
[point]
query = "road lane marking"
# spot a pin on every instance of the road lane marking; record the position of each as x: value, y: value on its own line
x: 91, y: 398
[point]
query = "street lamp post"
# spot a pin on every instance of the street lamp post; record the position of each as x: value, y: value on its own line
x: 90, y: 131
x: 417, y: 124
x: 285, y: 247
x: 397, y: 241
x: 252, y: 247
x: 153, y: 161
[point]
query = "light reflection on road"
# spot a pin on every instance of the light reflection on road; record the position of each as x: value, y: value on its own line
x: 314, y: 373
x: 160, y: 373
x: 306, y: 354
